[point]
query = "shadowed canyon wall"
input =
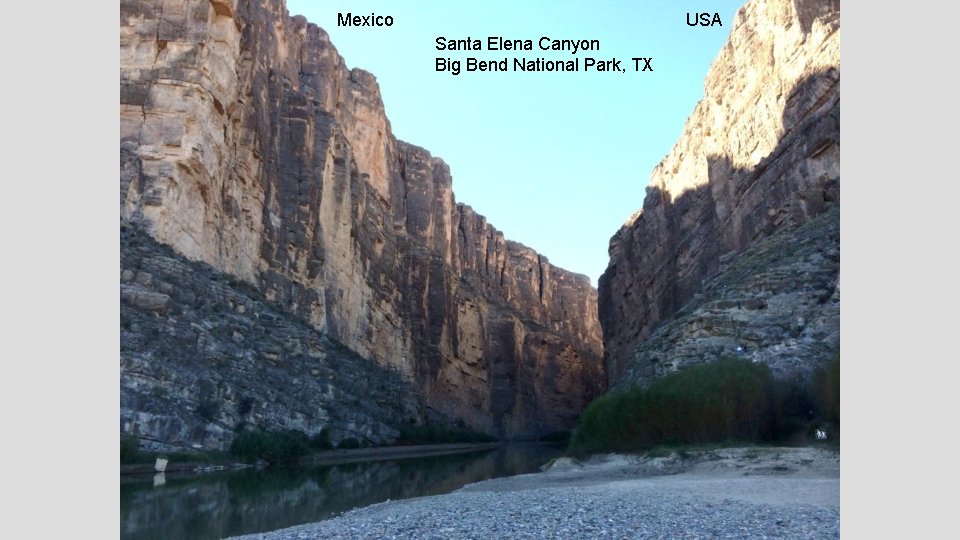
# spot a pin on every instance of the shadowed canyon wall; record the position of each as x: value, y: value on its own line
x: 247, y: 144
x: 759, y: 154
x: 204, y: 355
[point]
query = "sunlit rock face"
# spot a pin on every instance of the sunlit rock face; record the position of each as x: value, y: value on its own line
x: 760, y: 152
x: 247, y: 143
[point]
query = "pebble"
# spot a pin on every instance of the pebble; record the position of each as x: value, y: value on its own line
x: 561, y: 512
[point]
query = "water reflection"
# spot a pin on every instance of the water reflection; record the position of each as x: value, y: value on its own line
x: 247, y: 501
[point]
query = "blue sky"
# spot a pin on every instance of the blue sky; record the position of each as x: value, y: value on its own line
x: 557, y: 161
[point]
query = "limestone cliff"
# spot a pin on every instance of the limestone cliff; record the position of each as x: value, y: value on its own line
x: 247, y: 144
x: 776, y: 302
x: 203, y: 355
x: 759, y: 153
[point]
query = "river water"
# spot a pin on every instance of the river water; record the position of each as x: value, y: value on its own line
x: 216, y: 505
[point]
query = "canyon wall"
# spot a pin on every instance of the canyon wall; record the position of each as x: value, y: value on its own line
x: 204, y: 355
x: 247, y: 144
x: 760, y: 153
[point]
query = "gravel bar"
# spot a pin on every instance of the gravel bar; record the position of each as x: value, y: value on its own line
x: 734, y: 493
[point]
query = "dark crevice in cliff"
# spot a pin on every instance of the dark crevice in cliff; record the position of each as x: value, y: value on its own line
x: 402, y: 166
x: 540, y: 262
x: 159, y: 23
x: 462, y: 232
x: 487, y: 256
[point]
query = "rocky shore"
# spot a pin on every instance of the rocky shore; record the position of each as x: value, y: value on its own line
x: 728, y: 493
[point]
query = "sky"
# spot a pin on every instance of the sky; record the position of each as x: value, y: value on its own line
x: 557, y: 161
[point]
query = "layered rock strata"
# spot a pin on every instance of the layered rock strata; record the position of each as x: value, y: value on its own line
x: 777, y: 302
x: 760, y: 152
x: 246, y: 143
x: 204, y: 355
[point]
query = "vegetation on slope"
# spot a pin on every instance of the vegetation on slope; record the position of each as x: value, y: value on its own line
x: 286, y: 446
x: 730, y: 400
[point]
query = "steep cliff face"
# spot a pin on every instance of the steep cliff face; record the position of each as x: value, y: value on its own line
x: 203, y: 355
x: 760, y: 152
x: 246, y: 143
x: 492, y: 322
x: 776, y: 302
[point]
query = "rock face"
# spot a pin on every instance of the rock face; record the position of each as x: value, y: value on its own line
x: 247, y: 144
x: 759, y: 153
x: 203, y: 354
x: 777, y: 302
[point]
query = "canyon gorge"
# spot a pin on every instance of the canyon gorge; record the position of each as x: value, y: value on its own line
x: 247, y: 145
x: 758, y: 158
x: 288, y: 264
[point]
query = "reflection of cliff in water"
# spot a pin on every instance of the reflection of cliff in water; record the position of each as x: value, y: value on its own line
x: 247, y: 501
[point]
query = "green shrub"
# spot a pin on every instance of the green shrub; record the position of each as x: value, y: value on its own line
x: 729, y: 400
x: 349, y: 443
x: 246, y: 405
x: 129, y: 448
x: 208, y: 409
x: 827, y: 382
x: 796, y: 408
x: 270, y: 446
x: 805, y: 404
x: 187, y: 457
x: 725, y: 400
x: 321, y: 441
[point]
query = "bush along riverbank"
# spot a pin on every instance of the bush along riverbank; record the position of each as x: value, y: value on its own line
x: 284, y: 447
x: 728, y: 401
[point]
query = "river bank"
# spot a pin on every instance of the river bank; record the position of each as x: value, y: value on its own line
x: 216, y: 505
x: 327, y: 457
x: 333, y: 457
x: 740, y: 492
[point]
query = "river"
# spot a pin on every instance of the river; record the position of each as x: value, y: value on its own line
x: 217, y: 505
